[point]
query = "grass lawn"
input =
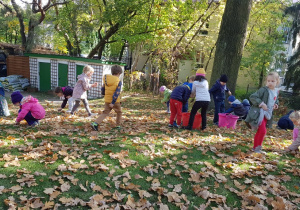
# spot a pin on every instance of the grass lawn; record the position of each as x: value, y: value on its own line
x: 63, y: 164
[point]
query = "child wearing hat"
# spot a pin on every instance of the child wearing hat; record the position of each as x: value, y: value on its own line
x: 3, y: 103
x: 30, y: 109
x: 236, y: 107
x: 218, y: 91
x: 285, y: 122
x: 167, y: 94
x: 200, y: 91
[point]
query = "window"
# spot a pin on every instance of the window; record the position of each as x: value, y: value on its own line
x: 200, y: 56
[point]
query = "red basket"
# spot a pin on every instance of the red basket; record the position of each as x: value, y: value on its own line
x: 186, y: 118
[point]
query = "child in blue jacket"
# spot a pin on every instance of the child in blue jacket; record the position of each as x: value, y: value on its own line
x: 179, y: 97
x: 236, y: 107
x: 218, y: 91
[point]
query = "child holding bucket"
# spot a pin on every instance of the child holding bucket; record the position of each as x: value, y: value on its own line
x: 167, y: 93
x: 200, y: 90
x: 218, y: 91
x: 260, y: 114
x: 295, y: 118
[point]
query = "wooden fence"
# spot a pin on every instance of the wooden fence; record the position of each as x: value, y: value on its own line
x: 18, y: 65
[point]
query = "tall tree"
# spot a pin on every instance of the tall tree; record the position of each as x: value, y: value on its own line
x: 37, y: 14
x: 230, y: 43
x: 293, y: 73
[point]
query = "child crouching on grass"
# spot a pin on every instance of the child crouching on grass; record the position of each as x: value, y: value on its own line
x: 112, y: 85
x: 295, y: 118
x: 30, y: 109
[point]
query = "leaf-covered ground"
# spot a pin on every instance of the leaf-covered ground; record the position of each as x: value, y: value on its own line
x: 63, y: 164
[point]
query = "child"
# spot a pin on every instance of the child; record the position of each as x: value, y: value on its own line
x: 218, y: 91
x: 236, y: 107
x: 82, y: 85
x: 260, y: 114
x: 3, y: 103
x: 285, y: 122
x: 67, y: 92
x: 167, y: 93
x: 200, y: 89
x: 179, y: 96
x: 185, y: 107
x: 30, y: 109
x: 246, y: 104
x: 113, y: 86
x: 295, y: 118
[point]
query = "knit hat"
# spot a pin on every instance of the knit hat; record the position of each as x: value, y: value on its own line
x: 162, y: 88
x: 16, y: 97
x: 231, y: 98
x: 223, y: 78
x: 200, y: 72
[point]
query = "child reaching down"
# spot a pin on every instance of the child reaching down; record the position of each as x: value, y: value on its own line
x: 67, y: 92
x: 295, y: 118
x: 30, y: 109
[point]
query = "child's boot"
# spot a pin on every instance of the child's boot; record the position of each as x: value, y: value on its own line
x: 95, y: 126
x: 258, y: 149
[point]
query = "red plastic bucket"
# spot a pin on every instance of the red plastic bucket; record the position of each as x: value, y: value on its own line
x: 231, y: 121
x: 186, y: 118
x: 222, y: 119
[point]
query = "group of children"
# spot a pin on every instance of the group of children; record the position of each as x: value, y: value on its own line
x: 32, y: 111
x: 257, y: 117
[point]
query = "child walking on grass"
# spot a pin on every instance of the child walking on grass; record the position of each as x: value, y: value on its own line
x: 167, y: 93
x: 200, y: 90
x: 112, y: 85
x: 82, y: 85
x: 30, y: 109
x: 67, y: 92
x: 295, y: 118
x: 260, y: 114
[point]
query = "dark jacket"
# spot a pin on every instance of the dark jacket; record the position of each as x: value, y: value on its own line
x: 181, y: 93
x: 218, y: 91
x: 262, y: 95
x: 67, y: 91
x: 237, y: 108
x: 285, y: 122
x: 246, y: 105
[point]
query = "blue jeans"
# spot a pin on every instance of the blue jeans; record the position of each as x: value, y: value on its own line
x: 29, y: 118
x: 185, y: 107
x: 219, y: 108
x: 168, y: 105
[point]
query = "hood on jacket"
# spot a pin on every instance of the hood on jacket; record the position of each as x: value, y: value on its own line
x: 28, y: 99
x: 236, y: 101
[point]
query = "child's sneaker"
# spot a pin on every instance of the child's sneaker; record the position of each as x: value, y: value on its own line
x: 258, y: 149
x: 94, y: 126
x: 36, y: 123
x: 170, y: 126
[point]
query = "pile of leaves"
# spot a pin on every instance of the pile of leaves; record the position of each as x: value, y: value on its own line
x: 63, y: 164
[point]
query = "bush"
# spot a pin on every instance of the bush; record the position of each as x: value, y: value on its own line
x: 242, y: 94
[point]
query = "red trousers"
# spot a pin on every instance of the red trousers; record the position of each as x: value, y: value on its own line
x: 176, y: 111
x: 260, y: 134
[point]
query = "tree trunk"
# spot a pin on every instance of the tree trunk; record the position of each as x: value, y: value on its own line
x: 230, y: 42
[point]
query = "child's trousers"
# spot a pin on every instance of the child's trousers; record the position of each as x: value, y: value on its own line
x: 219, y: 108
x: 107, y: 110
x: 29, y: 118
x: 77, y: 104
x: 176, y: 111
x: 203, y: 105
x: 260, y: 134
x: 71, y: 103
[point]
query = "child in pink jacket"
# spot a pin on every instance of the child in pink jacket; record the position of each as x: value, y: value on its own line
x: 30, y: 109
